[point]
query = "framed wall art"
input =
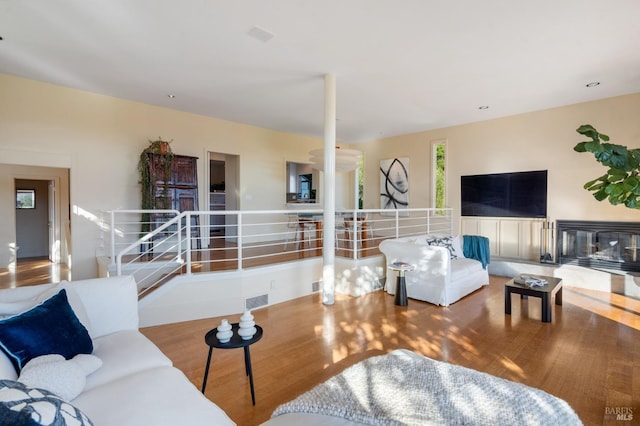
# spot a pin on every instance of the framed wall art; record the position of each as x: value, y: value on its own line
x: 394, y: 183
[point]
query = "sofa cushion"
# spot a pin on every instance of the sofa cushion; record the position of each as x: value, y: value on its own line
x: 48, y: 328
x: 122, y: 354
x: 22, y: 405
x: 159, y: 396
x: 15, y: 302
x: 111, y: 303
x: 9, y: 309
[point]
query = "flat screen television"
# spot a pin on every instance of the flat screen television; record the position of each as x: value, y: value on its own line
x: 518, y: 194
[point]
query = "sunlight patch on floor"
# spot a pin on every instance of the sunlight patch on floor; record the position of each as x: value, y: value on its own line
x: 616, y: 307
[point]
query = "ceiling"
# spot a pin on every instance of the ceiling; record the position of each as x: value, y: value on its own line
x: 401, y: 66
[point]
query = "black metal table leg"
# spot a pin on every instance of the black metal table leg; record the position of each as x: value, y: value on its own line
x: 206, y: 370
x: 247, y: 365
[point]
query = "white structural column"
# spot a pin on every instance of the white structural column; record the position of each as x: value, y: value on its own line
x: 329, y: 219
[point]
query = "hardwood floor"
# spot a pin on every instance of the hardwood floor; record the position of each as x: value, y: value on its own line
x: 589, y: 355
x: 33, y: 271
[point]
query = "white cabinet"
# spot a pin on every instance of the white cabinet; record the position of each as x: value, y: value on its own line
x: 516, y: 238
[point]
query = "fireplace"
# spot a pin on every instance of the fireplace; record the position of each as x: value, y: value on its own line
x: 599, y: 245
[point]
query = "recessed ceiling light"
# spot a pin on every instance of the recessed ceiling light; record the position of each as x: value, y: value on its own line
x: 171, y: 96
x: 593, y: 84
x: 483, y: 107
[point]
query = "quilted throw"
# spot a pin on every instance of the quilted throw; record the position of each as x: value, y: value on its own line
x: 403, y: 389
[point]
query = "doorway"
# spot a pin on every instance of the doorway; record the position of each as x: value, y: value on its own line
x: 223, y: 187
x: 35, y: 219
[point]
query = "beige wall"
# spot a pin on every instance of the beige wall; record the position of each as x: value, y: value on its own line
x: 542, y: 140
x: 99, y: 138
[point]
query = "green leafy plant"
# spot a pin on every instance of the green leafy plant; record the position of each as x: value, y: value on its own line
x: 148, y: 197
x: 620, y: 184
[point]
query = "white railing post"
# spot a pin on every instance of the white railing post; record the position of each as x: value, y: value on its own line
x: 397, y: 216
x: 239, y: 241
x: 188, y: 247
x: 354, y: 235
x: 112, y: 232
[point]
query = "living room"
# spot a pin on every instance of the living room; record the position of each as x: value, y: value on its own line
x: 89, y: 143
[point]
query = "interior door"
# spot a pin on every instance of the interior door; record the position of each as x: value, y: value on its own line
x: 54, y: 250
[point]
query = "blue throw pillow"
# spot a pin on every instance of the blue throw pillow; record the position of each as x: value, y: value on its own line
x: 21, y: 405
x: 48, y: 328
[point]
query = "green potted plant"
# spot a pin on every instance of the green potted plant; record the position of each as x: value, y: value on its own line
x: 148, y: 199
x: 621, y: 183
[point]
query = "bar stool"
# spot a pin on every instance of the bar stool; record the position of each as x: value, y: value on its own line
x: 401, y: 286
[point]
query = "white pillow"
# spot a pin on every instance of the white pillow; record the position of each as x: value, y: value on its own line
x: 65, y: 378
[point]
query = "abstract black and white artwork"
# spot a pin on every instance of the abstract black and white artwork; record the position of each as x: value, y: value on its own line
x: 394, y: 183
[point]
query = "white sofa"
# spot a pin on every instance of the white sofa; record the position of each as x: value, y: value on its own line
x: 442, y: 274
x: 136, y: 384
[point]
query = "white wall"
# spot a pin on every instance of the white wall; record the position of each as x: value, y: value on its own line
x: 99, y: 138
x: 541, y: 140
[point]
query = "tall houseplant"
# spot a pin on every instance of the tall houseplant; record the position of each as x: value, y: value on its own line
x: 621, y: 183
x: 148, y: 197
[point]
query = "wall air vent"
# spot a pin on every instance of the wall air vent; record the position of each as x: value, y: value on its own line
x: 256, y: 302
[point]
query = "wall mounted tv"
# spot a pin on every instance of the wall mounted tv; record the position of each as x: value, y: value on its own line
x: 518, y: 194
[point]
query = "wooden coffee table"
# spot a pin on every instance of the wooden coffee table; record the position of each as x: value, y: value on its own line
x: 545, y: 293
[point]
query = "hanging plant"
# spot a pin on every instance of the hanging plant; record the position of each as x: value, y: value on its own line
x: 164, y: 154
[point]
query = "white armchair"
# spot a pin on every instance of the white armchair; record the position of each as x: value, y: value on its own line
x: 438, y: 278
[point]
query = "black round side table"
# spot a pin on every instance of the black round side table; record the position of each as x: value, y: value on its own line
x: 235, y: 342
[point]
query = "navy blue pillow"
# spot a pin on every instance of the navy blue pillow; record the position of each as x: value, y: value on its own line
x: 48, y: 328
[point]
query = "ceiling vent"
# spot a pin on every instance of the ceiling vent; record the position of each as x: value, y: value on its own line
x: 260, y: 34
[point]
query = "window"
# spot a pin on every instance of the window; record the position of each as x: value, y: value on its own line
x: 25, y: 199
x: 439, y: 183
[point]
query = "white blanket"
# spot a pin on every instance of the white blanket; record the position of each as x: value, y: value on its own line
x: 403, y: 388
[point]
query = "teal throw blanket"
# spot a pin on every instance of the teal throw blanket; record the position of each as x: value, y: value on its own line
x: 477, y: 247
